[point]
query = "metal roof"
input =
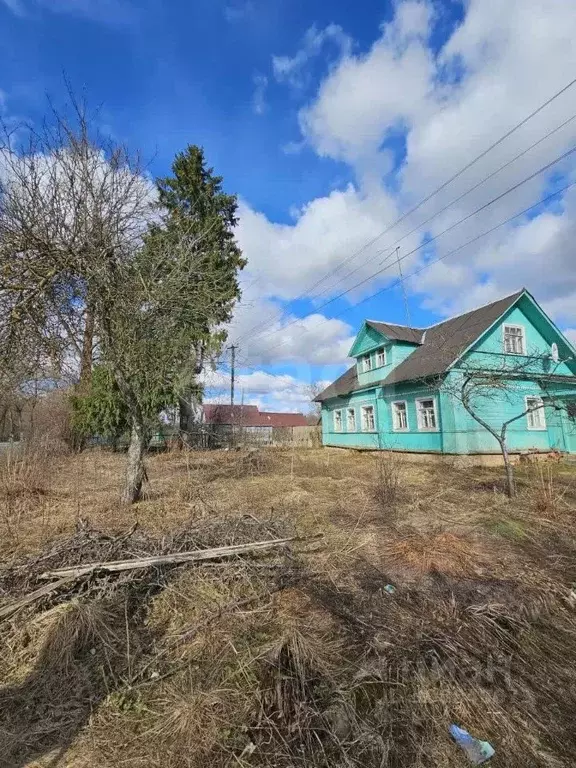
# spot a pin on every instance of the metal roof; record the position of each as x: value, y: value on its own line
x: 440, y: 345
x: 398, y: 332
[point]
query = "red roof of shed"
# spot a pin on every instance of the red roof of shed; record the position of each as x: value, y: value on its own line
x: 250, y: 416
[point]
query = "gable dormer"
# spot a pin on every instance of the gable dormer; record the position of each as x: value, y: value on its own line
x: 380, y: 347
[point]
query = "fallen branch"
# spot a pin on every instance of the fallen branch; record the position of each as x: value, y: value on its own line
x: 174, y: 559
x: 8, y: 610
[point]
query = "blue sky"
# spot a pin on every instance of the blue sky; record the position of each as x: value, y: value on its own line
x: 329, y: 120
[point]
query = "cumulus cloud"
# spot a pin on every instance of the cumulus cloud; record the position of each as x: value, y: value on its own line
x: 292, y: 69
x: 269, y: 391
x: 266, y: 335
x: 442, y: 108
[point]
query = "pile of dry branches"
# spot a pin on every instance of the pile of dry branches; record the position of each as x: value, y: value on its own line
x: 268, y: 662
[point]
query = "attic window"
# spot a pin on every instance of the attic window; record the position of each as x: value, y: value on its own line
x: 514, y: 340
x: 366, y: 363
x: 554, y: 354
x: 380, y: 358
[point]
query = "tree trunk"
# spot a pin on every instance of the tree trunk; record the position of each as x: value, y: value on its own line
x: 135, y: 471
x: 186, y: 419
x: 510, y: 481
x: 87, y: 351
x: 190, y: 416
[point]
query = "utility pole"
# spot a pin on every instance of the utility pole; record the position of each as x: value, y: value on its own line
x: 404, y: 294
x: 232, y: 349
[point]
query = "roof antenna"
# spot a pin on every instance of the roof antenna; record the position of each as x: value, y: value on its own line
x: 404, y: 294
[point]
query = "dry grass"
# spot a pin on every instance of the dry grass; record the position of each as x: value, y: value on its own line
x: 302, y: 659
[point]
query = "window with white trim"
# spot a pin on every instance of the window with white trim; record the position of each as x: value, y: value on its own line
x: 337, y: 421
x: 535, y: 417
x: 367, y: 363
x: 400, y: 415
x: 351, y: 420
x: 368, y: 423
x: 554, y: 353
x: 380, y: 358
x: 426, y: 412
x: 514, y: 340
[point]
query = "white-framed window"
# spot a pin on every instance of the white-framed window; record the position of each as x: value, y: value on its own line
x: 351, y: 419
x: 514, y: 342
x: 337, y: 421
x: 535, y: 417
x: 426, y: 412
x: 368, y: 423
x: 554, y: 353
x: 380, y: 358
x: 400, y: 415
x: 367, y: 363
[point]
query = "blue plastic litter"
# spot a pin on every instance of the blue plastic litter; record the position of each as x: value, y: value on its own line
x: 478, y: 752
x: 390, y: 588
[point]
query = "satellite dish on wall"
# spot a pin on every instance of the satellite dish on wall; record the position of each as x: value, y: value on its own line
x: 554, y: 352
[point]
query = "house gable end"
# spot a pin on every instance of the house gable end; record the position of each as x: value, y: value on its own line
x: 539, y: 334
x: 368, y: 339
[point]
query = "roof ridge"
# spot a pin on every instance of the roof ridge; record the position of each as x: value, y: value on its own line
x: 475, y: 309
x: 397, y: 325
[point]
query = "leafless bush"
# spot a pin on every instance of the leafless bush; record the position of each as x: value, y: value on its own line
x: 48, y: 418
x: 544, y: 489
x: 25, y: 470
x: 387, y: 490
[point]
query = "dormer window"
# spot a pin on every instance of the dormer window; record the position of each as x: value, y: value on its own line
x: 367, y: 363
x: 380, y: 358
x: 514, y: 340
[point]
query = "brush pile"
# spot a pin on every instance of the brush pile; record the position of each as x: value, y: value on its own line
x: 268, y: 663
x: 360, y: 650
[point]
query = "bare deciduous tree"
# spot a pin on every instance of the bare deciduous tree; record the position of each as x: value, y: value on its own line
x: 476, y: 388
x: 82, y: 255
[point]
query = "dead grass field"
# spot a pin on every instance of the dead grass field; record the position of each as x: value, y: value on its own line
x: 300, y: 657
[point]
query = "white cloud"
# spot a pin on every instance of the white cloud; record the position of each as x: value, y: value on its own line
x: 292, y: 69
x: 268, y: 391
x: 367, y: 95
x: 449, y: 107
x: 258, y: 98
x: 312, y: 340
x: 570, y: 333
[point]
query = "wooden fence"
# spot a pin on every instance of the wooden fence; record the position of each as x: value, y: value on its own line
x: 214, y: 436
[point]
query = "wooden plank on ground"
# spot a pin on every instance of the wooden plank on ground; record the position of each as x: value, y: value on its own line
x: 173, y: 559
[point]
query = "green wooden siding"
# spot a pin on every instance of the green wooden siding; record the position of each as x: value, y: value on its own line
x: 457, y: 431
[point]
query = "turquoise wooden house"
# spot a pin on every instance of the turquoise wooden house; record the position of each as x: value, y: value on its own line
x: 404, y: 392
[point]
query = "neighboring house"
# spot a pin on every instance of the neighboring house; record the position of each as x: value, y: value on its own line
x: 249, y: 416
x: 402, y: 392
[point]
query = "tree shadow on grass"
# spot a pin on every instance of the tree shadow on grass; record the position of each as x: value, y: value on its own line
x: 88, y: 651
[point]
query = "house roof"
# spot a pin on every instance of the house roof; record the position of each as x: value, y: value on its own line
x: 440, y: 346
x: 397, y: 332
x: 250, y: 416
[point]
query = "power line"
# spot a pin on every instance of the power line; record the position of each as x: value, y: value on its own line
x: 543, y: 201
x: 453, y: 202
x: 431, y: 195
x: 378, y: 272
